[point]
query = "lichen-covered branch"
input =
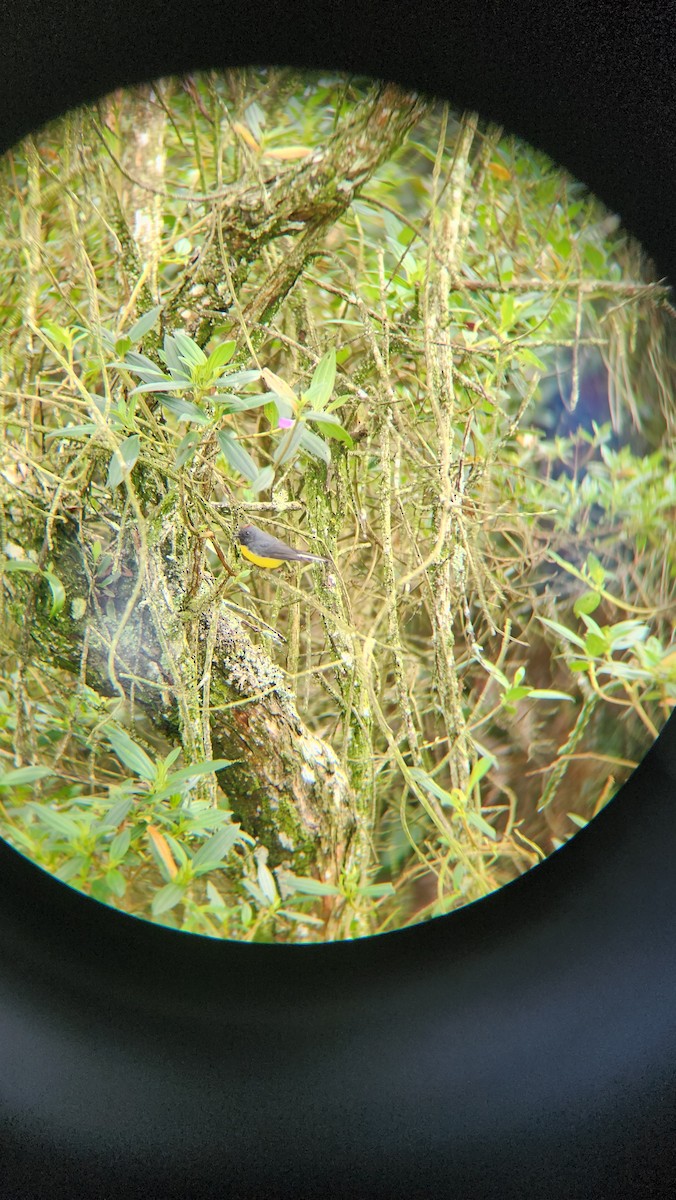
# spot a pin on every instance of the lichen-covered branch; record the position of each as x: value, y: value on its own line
x: 302, y: 203
x: 285, y: 785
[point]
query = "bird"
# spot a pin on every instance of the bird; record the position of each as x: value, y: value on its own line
x: 267, y: 551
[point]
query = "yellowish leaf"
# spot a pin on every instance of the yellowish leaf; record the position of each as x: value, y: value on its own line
x: 288, y: 153
x: 162, y: 846
x: 280, y: 386
x: 246, y: 136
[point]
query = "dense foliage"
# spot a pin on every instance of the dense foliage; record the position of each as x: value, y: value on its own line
x: 387, y: 333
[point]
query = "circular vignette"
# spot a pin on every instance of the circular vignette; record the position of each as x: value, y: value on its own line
x: 620, y: 1147
x: 359, y: 317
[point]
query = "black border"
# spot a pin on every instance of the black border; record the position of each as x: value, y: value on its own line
x: 525, y: 1046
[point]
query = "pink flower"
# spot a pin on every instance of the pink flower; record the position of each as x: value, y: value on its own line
x: 285, y: 423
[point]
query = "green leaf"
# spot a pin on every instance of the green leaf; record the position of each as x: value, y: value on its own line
x: 100, y: 891
x: 119, y: 846
x: 308, y: 886
x: 592, y: 625
x: 596, y: 645
x: 220, y: 357
x: 478, y: 822
x: 263, y: 479
x: 305, y: 918
x: 422, y: 149
x: 174, y: 363
x: 19, y: 776
x: 333, y: 429
x: 596, y: 569
x: 506, y: 312
x: 167, y: 898
x: 588, y: 603
x: 562, y: 246
x: 71, y: 868
x: 311, y: 414
x: 140, y: 364
x: 624, y: 635
x: 526, y: 356
x: 108, y: 338
x: 188, y: 350
x: 123, y: 460
x: 375, y: 890
x: 215, y: 898
x: 236, y: 455
x: 496, y: 674
x: 186, y: 449
x: 116, y: 882
x: 238, y: 378
x: 254, y: 891
x: 144, y: 324
x: 197, y: 769
x: 280, y: 408
x: 289, y: 444
x: 210, y: 856
x: 267, y: 884
x: 21, y: 564
x: 76, y: 432
x: 426, y: 782
x: 240, y: 403
x: 271, y: 413
x: 130, y: 754
x: 59, y: 823
x: 58, y: 593
x: 506, y: 268
x: 339, y: 402
x: 595, y: 258
x: 548, y: 694
x: 178, y: 778
x: 184, y: 410
x: 566, y: 634
x: 315, y: 446
x: 513, y: 694
x: 480, y: 768
x: 57, y: 333
x: 620, y: 670
x: 164, y: 385
x: 323, y: 381
x: 119, y: 811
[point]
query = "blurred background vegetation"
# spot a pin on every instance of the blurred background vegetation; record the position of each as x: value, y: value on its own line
x: 390, y: 335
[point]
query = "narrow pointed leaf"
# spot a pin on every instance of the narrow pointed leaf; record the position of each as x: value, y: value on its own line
x: 130, y: 754
x: 188, y: 350
x: 123, y: 460
x: 236, y: 455
x: 323, y: 381
x: 281, y: 388
x: 184, y: 410
x: 144, y: 324
x: 315, y: 446
x: 220, y: 357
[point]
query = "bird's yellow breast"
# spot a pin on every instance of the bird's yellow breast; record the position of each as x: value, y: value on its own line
x: 269, y: 563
